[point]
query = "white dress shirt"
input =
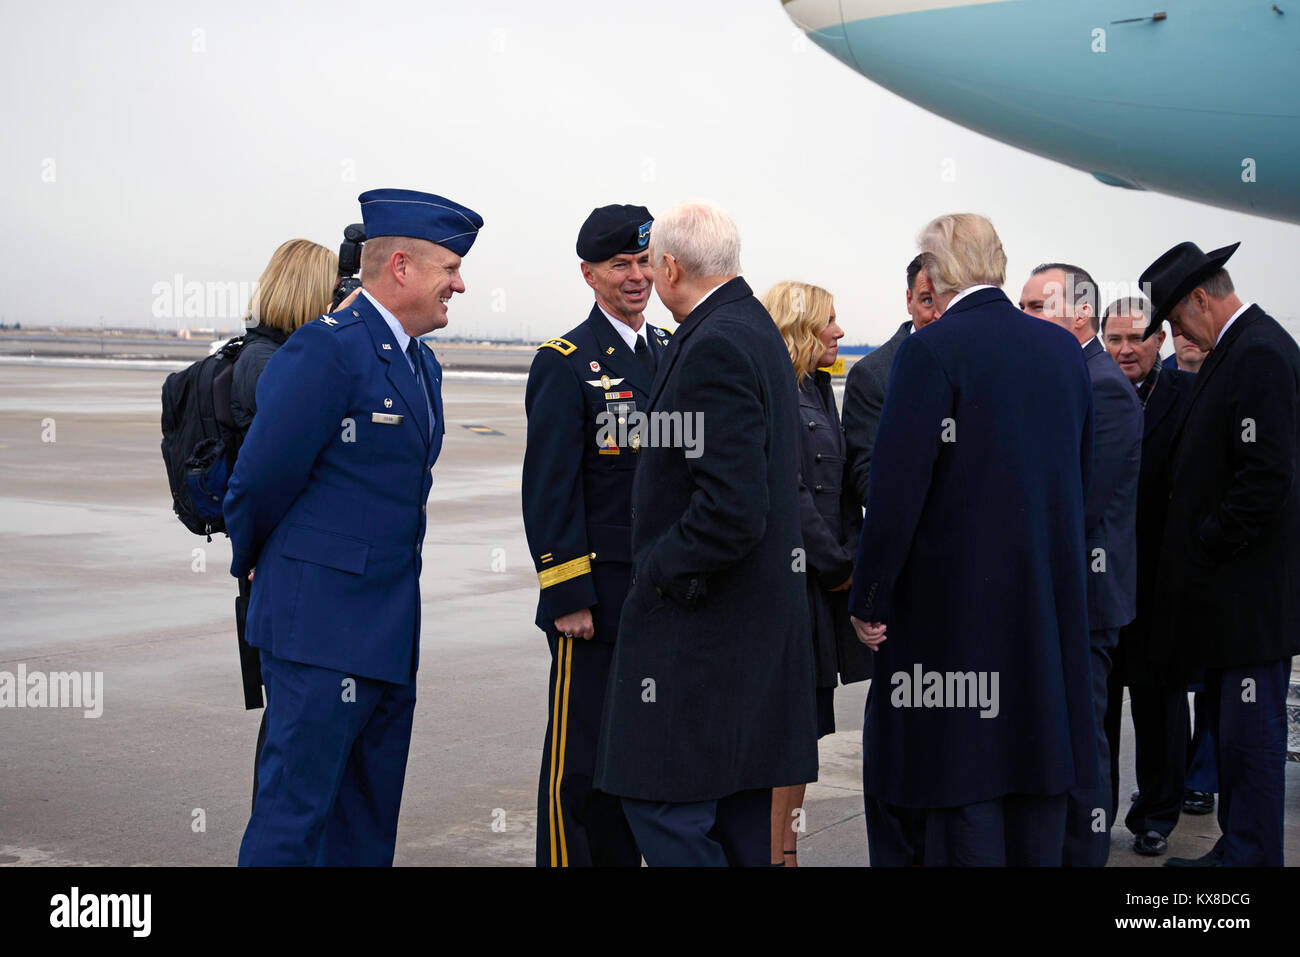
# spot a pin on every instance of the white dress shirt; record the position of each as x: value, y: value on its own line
x: 1230, y: 321
x: 625, y: 331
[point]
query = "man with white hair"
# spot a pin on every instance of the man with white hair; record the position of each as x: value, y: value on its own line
x: 970, y: 581
x: 711, y: 701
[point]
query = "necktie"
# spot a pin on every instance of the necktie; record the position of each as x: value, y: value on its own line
x: 646, y: 355
x: 413, y: 353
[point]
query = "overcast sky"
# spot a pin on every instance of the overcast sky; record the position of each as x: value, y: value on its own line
x: 149, y: 141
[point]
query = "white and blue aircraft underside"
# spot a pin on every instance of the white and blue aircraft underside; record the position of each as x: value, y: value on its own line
x: 1194, y: 98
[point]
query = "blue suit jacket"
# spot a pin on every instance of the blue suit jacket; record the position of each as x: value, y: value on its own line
x: 328, y: 495
x: 972, y: 553
x: 1110, y: 516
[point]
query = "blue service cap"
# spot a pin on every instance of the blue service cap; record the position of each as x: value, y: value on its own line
x: 406, y: 212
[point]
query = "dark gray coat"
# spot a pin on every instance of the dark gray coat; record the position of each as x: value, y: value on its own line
x: 711, y: 686
x: 864, y: 398
x: 830, y: 519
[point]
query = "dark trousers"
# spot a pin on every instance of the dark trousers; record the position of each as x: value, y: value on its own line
x: 1159, y: 729
x: 1246, y: 706
x: 1017, y: 830
x: 1202, y: 772
x: 332, y: 768
x: 578, y: 825
x: 1159, y: 735
x: 1089, y: 815
x: 250, y: 673
x: 733, y: 831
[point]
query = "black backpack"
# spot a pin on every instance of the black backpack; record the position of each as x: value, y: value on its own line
x: 200, y: 438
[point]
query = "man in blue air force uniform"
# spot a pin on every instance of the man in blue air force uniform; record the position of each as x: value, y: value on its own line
x: 577, y: 489
x: 327, y: 500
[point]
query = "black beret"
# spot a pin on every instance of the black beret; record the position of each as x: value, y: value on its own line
x: 611, y: 230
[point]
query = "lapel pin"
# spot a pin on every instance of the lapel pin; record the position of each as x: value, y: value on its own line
x: 388, y: 403
x: 387, y: 347
x: 595, y: 366
x: 609, y: 351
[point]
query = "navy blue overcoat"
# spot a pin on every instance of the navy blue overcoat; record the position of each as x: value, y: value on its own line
x: 973, y: 554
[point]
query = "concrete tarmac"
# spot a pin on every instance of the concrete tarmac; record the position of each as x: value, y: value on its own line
x: 97, y: 575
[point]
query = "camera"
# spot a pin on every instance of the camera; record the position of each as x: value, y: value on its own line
x: 349, y: 263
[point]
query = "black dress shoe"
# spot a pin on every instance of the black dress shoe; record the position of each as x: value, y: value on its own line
x: 1150, y: 844
x: 1213, y: 859
x: 1135, y: 795
x: 1198, y: 802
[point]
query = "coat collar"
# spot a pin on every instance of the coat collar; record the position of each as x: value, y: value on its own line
x: 730, y: 291
x: 1216, y: 358
x: 1170, y: 384
x: 978, y: 298
x: 398, y: 372
x: 1093, y: 347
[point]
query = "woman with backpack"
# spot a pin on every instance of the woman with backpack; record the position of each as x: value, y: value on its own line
x: 296, y: 287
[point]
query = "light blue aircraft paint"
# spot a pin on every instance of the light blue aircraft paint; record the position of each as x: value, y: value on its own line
x: 1194, y: 98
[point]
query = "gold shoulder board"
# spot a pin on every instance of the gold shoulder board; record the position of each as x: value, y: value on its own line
x: 563, y: 346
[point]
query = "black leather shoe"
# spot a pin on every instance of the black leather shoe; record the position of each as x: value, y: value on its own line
x: 1212, y: 859
x: 1198, y: 802
x: 1135, y: 795
x: 1150, y: 844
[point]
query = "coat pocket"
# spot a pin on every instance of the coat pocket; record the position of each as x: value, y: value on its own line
x: 326, y: 548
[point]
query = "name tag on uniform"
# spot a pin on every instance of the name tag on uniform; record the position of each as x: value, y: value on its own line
x: 386, y: 418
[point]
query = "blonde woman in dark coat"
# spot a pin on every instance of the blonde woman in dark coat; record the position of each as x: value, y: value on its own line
x: 830, y: 519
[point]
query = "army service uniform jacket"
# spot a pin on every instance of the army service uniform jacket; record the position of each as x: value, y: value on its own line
x: 328, y: 495
x: 577, y: 478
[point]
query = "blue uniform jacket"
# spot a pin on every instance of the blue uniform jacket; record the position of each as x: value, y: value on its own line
x: 577, y: 493
x: 328, y: 496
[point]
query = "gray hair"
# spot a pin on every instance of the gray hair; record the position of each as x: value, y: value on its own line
x: 700, y: 236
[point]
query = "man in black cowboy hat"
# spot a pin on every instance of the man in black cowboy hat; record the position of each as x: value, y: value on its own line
x: 1228, y: 562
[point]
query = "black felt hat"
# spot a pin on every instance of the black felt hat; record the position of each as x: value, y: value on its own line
x: 1175, y: 274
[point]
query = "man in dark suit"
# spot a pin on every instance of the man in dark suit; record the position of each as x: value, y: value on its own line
x: 1229, y: 562
x: 970, y: 581
x: 711, y: 703
x: 327, y: 500
x: 868, y: 379
x: 1067, y: 296
x: 577, y: 500
x: 1157, y: 696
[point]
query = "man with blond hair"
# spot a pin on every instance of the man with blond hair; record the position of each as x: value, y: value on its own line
x: 970, y: 581
x: 710, y: 703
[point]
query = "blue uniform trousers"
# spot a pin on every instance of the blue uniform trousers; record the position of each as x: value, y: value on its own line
x: 1016, y: 830
x: 1246, y: 708
x: 1088, y: 817
x: 331, y: 771
x: 732, y: 831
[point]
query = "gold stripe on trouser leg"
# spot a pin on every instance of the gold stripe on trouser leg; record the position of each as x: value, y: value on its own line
x: 564, y: 734
x: 555, y: 737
